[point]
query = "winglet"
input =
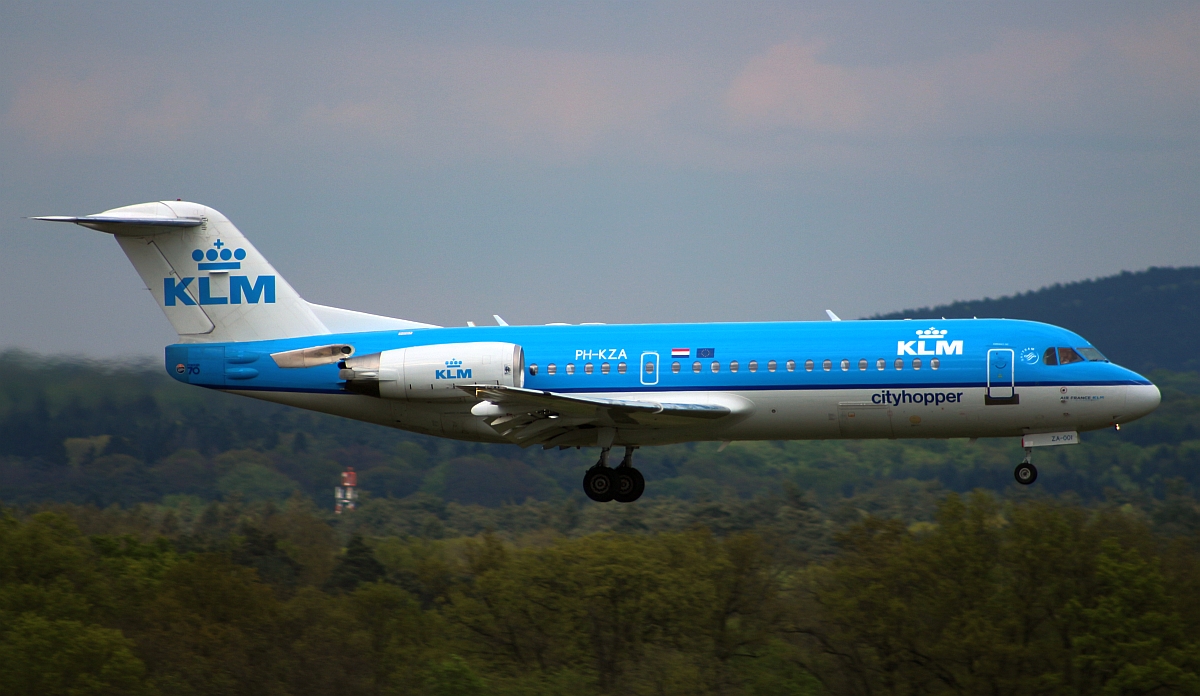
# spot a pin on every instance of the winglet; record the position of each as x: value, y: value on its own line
x: 499, y: 321
x: 832, y: 316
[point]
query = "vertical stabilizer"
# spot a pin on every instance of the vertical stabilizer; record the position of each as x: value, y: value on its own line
x: 212, y: 284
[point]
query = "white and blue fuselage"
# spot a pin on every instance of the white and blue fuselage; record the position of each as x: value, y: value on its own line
x: 802, y: 380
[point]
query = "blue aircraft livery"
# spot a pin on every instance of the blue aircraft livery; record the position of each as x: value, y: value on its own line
x: 245, y: 330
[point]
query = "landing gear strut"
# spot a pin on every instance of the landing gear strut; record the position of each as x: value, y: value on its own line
x: 1026, y: 472
x: 624, y: 484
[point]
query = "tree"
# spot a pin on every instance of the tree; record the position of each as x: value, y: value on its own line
x: 52, y: 657
x: 1130, y: 641
x: 356, y: 566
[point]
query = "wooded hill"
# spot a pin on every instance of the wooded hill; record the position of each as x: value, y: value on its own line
x: 1146, y: 320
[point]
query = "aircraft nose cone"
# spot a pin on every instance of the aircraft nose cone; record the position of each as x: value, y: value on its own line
x: 1140, y: 400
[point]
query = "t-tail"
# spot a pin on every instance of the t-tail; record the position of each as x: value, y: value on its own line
x: 211, y: 282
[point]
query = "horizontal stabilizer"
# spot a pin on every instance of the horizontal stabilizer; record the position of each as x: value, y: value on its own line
x: 139, y: 226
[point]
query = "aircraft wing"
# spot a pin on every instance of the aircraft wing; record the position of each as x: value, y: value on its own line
x: 530, y: 416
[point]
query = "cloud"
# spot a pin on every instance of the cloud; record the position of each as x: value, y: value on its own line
x: 1093, y: 82
x: 461, y: 101
x: 808, y: 101
x: 790, y: 86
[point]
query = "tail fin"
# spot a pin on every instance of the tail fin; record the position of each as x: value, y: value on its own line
x: 212, y: 284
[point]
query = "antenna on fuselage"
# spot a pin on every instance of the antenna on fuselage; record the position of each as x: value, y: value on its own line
x: 832, y: 316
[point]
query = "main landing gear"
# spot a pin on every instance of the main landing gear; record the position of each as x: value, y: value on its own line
x: 1026, y: 472
x: 623, y: 484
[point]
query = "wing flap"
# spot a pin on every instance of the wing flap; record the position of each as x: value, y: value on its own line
x: 578, y: 405
x: 531, y: 416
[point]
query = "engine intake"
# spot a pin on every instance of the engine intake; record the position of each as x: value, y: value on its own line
x: 434, y: 372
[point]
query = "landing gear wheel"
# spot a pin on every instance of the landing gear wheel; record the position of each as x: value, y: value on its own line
x: 630, y: 484
x: 1025, y: 473
x: 599, y: 484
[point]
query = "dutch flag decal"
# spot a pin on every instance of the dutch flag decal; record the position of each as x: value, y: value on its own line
x: 680, y: 352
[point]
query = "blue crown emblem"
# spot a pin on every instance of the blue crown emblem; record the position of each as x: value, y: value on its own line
x: 220, y: 258
x: 453, y: 363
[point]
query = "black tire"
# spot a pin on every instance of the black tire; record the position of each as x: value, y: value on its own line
x: 1025, y: 473
x: 629, y: 484
x: 599, y: 484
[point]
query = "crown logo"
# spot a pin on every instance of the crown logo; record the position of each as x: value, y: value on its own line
x: 453, y: 363
x: 219, y: 258
x: 931, y: 333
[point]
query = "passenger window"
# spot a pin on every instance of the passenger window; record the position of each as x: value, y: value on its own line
x: 1066, y: 356
x: 551, y: 369
x: 827, y: 365
x: 752, y: 365
x: 587, y: 368
x: 605, y: 368
x: 733, y: 366
x: 1050, y: 357
x: 916, y: 363
x: 533, y: 369
x: 808, y: 366
x: 845, y: 365
x: 696, y: 366
x: 621, y: 368
x: 675, y: 368
x: 570, y: 368
x: 771, y: 365
x: 899, y: 364
x: 880, y: 364
x: 716, y: 366
x: 649, y: 368
x: 935, y: 363
x: 791, y: 366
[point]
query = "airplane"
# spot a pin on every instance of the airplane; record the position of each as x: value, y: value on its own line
x: 244, y: 330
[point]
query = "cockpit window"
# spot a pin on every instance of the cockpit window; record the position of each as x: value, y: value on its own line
x: 1066, y: 356
x: 1051, y: 357
x: 1092, y: 354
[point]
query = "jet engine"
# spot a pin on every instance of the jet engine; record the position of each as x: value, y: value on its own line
x: 435, y: 372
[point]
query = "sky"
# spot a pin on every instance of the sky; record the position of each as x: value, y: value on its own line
x: 597, y: 162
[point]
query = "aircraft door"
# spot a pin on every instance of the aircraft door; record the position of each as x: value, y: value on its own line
x: 1001, y: 382
x: 649, y: 368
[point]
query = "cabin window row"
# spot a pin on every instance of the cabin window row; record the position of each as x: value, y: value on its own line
x: 735, y: 366
x: 864, y: 364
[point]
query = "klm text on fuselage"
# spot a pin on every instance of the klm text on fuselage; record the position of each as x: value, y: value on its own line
x: 940, y: 348
x: 241, y: 290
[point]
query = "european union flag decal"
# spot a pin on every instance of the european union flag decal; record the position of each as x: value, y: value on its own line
x: 706, y: 352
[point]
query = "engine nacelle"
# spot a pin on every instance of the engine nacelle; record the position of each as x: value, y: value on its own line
x: 434, y: 372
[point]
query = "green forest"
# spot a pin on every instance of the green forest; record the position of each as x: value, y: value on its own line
x: 157, y: 538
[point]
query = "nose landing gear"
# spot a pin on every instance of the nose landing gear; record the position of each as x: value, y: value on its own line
x: 1026, y: 473
x: 624, y: 484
